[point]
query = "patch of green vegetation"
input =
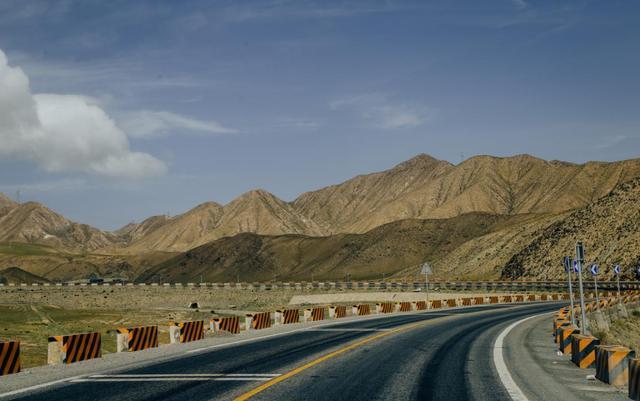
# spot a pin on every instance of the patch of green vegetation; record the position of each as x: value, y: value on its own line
x: 22, y: 249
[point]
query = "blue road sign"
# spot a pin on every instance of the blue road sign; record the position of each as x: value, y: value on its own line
x: 576, y: 269
x: 616, y: 269
x: 594, y: 269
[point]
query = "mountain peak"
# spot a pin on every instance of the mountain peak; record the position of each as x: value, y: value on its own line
x: 420, y: 161
x: 5, y: 201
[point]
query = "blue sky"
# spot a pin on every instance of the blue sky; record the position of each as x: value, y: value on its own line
x: 194, y: 101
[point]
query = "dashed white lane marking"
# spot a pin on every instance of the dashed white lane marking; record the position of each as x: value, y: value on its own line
x: 509, y: 384
x: 161, y: 377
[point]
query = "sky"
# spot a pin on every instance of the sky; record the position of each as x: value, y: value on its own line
x: 113, y: 111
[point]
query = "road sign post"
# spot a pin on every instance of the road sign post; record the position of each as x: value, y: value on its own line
x: 594, y: 272
x: 617, y: 270
x: 568, y: 267
x: 579, y: 261
x: 426, y: 270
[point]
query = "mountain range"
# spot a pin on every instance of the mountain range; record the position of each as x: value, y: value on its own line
x: 504, y: 204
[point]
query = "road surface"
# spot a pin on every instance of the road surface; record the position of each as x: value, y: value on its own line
x: 438, y: 355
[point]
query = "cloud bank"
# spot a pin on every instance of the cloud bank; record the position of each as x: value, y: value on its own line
x: 64, y: 133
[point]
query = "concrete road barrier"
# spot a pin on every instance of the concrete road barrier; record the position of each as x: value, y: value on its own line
x: 436, y: 304
x: 451, y: 303
x: 185, y: 332
x: 384, y: 307
x: 494, y: 300
x: 612, y: 364
x: 479, y: 300
x: 565, y: 334
x: 74, y: 348
x: 634, y: 379
x: 583, y: 350
x: 9, y: 357
x: 313, y: 314
x: 404, y: 306
x: 519, y: 298
x: 531, y: 298
x: 136, y: 338
x: 227, y: 324
x: 421, y: 305
x: 337, y: 312
x: 558, y: 324
x: 507, y: 299
x: 467, y: 301
x: 258, y: 321
x: 361, y: 310
x: 287, y: 316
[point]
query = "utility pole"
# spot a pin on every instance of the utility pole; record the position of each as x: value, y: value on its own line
x: 617, y: 270
x: 579, y: 261
x: 568, y: 267
x: 426, y: 270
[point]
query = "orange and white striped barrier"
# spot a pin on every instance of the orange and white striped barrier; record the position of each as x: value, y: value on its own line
x: 478, y: 300
x: 136, y: 338
x: 185, y: 332
x: 436, y: 304
x: 258, y: 321
x: 9, y: 357
x: 384, y: 307
x: 451, y: 303
x: 287, y: 316
x: 531, y: 298
x: 313, y: 314
x: 421, y: 305
x: 74, y: 348
x: 467, y: 301
x: 507, y: 299
x: 227, y: 324
x: 494, y: 300
x: 404, y: 306
x: 361, y: 310
x: 337, y: 312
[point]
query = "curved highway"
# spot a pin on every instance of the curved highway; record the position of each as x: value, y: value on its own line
x: 439, y: 355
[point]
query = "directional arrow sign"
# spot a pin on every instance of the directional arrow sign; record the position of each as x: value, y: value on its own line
x: 576, y: 269
x: 616, y: 269
x: 594, y: 269
x: 567, y: 263
x: 426, y: 269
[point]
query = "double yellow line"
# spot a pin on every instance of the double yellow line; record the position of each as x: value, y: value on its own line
x: 323, y: 358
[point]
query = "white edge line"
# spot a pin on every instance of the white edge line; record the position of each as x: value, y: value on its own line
x: 39, y: 386
x: 508, y: 383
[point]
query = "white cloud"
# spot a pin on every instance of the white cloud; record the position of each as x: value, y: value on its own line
x: 63, y: 133
x: 149, y: 123
x: 382, y: 113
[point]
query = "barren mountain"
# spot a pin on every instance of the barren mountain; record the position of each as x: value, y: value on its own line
x: 387, y: 249
x: 608, y: 228
x: 32, y: 222
x: 6, y: 204
x: 424, y: 187
x: 254, y: 212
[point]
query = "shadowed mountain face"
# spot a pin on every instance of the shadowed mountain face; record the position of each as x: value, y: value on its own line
x: 386, y: 249
x: 608, y: 227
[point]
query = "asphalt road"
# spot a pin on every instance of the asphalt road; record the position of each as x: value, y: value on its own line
x: 443, y: 355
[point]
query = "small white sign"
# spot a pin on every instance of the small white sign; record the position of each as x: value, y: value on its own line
x: 426, y: 269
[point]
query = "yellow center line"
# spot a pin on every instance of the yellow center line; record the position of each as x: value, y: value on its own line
x: 323, y: 358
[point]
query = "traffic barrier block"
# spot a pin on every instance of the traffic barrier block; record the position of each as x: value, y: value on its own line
x: 531, y: 298
x: 478, y: 300
x: 361, y: 310
x: 558, y: 324
x: 228, y: 324
x: 74, y: 348
x: 421, y: 305
x: 507, y: 299
x: 136, y: 338
x: 9, y: 357
x: 565, y: 334
x: 258, y: 321
x: 314, y: 314
x: 466, y: 301
x: 494, y: 300
x: 287, y: 316
x: 404, y: 306
x: 554, y: 297
x: 436, y: 304
x: 544, y: 297
x: 451, y: 303
x: 634, y: 379
x: 185, y: 332
x: 583, y: 350
x: 612, y: 364
x: 519, y: 298
x: 337, y: 312
x: 384, y: 307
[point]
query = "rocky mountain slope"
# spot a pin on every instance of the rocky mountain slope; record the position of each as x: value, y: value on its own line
x: 32, y: 222
x: 384, y: 250
x: 427, y: 188
x: 608, y: 228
